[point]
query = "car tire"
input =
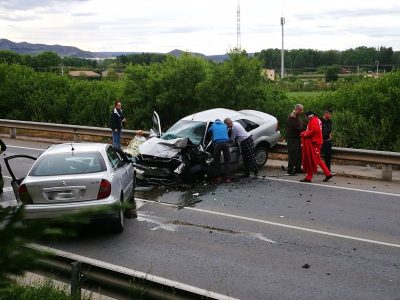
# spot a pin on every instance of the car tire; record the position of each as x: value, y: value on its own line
x: 130, y: 211
x: 117, y: 223
x: 261, y: 154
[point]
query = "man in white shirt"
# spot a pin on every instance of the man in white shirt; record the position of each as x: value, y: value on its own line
x: 238, y: 133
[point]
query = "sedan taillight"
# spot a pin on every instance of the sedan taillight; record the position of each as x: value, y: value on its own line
x: 104, y: 190
x: 24, y: 194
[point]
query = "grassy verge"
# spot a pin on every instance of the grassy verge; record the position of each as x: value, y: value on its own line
x: 39, y: 291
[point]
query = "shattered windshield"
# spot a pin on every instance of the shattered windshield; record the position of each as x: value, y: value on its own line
x: 194, y: 130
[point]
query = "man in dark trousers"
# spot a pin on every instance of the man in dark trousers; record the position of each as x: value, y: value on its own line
x: 327, y: 137
x: 294, y: 126
x: 116, y: 120
x: 3, y: 148
x: 238, y: 133
x: 220, y: 138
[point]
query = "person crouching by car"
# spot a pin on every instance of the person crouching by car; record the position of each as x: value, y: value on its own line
x: 3, y: 148
x: 238, y: 133
x: 116, y: 121
x: 312, y: 142
x: 219, y: 133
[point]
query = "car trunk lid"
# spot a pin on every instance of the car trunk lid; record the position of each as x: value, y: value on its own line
x: 65, y: 188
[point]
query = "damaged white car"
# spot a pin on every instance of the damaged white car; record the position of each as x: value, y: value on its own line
x: 184, y: 151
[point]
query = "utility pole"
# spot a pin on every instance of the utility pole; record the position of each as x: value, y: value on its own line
x: 283, y: 50
x: 238, y: 38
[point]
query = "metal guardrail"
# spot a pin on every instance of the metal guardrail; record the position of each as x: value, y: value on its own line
x: 112, y: 280
x: 76, y: 130
x: 387, y: 159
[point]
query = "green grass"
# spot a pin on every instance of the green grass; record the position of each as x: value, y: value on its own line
x: 45, y: 290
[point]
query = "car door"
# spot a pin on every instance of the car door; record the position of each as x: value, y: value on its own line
x: 129, y: 179
x: 119, y: 170
x: 16, y: 177
x: 156, y: 129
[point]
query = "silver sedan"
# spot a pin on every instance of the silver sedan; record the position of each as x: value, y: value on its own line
x: 75, y: 177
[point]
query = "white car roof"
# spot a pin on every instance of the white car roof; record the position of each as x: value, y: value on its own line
x: 213, y: 114
x: 221, y: 113
x: 81, y: 147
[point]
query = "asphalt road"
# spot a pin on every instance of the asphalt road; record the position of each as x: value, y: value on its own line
x: 266, y: 238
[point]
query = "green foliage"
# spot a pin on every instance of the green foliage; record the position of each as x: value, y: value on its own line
x: 46, y: 97
x: 310, y: 58
x: 190, y: 84
x: 365, y: 113
x: 45, y: 61
x: 9, y: 57
x: 46, y: 290
x: 332, y: 73
x: 15, y: 233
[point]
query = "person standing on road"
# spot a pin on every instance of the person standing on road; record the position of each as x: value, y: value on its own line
x: 238, y: 133
x: 327, y: 137
x: 3, y: 148
x: 294, y: 127
x: 116, y: 121
x: 312, y: 143
x: 219, y: 132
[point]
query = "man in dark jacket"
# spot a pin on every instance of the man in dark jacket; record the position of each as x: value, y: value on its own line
x: 294, y: 127
x: 327, y: 137
x: 3, y: 148
x: 116, y: 120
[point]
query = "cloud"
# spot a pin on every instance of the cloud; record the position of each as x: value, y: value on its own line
x: 31, y: 4
x: 17, y: 17
x: 350, y: 13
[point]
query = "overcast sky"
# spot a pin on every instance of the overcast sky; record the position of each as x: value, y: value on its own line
x: 205, y: 26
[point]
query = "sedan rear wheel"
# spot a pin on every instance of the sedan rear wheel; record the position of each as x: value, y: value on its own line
x: 117, y: 225
x: 261, y: 154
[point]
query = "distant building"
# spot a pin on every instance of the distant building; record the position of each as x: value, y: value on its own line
x: 84, y: 74
x: 269, y: 73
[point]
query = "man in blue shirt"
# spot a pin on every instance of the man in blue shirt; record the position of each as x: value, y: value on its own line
x: 219, y: 132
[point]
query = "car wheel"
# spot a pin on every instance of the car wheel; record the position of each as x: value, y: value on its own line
x: 117, y: 225
x: 130, y: 210
x: 261, y: 155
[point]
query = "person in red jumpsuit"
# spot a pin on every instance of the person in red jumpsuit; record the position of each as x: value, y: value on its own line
x: 312, y: 142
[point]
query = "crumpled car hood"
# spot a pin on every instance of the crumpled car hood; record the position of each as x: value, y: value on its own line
x: 163, y: 148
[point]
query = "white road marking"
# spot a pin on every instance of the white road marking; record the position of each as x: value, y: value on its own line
x: 281, y: 225
x: 165, y: 224
x: 334, y: 187
x: 7, y: 189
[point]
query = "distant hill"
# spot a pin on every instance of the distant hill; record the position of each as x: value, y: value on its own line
x: 33, y: 49
x: 28, y: 48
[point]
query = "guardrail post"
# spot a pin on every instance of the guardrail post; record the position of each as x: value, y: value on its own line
x: 76, y: 280
x: 13, y: 133
x: 387, y: 172
x: 77, y: 138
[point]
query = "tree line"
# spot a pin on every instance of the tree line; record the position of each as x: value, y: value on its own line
x: 310, y: 58
x: 365, y: 112
x: 270, y: 58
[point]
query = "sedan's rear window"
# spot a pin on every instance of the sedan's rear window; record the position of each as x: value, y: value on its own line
x: 69, y: 163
